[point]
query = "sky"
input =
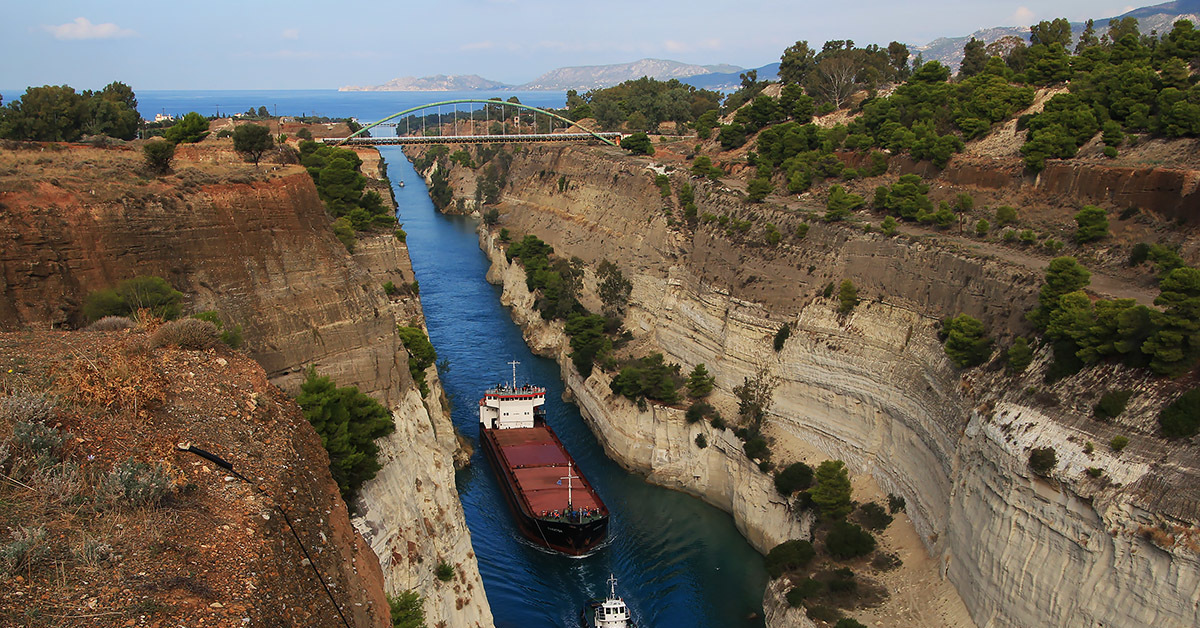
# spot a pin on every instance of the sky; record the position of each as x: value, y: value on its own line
x: 303, y: 44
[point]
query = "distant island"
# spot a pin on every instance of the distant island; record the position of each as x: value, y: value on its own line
x: 581, y: 78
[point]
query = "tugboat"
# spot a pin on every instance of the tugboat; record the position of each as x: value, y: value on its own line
x: 554, y: 504
x: 607, y: 613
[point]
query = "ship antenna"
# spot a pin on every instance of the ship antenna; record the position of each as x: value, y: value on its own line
x: 568, y: 478
x: 514, y: 364
x: 612, y: 584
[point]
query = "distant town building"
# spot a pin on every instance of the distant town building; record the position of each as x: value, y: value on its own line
x: 164, y: 117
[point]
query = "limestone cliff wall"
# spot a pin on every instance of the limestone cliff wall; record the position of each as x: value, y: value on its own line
x: 262, y: 254
x: 874, y: 388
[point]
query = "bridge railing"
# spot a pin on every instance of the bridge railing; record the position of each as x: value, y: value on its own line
x: 471, y: 139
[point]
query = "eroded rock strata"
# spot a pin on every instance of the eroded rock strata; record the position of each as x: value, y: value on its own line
x: 875, y: 389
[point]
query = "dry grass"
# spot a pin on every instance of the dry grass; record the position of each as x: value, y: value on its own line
x: 122, y: 377
x: 186, y: 333
x: 111, y: 323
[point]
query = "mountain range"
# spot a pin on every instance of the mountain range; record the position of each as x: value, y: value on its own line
x: 724, y: 77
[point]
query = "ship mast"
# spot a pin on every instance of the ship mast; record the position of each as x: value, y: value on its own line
x: 514, y: 364
x: 570, y: 476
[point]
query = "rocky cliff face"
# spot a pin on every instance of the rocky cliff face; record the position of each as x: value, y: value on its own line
x: 262, y: 254
x: 875, y: 389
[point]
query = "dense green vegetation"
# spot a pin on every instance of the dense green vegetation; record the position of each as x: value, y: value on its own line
x: 252, y: 140
x: 55, y: 113
x: 649, y: 377
x: 421, y: 354
x: 642, y: 104
x: 966, y: 341
x: 788, y: 556
x: 348, y: 422
x: 407, y: 609
x: 337, y: 173
x: 1181, y: 419
x: 154, y: 294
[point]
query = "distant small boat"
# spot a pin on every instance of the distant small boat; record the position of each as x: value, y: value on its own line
x: 401, y: 184
x: 608, y: 613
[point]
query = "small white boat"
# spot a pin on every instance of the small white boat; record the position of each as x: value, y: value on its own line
x: 401, y: 183
x: 608, y: 613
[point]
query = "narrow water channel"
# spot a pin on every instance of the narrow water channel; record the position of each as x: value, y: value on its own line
x: 679, y: 561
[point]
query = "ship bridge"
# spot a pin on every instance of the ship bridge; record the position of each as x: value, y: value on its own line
x: 506, y: 406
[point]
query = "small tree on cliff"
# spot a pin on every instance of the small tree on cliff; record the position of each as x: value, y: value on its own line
x: 638, y: 144
x: 252, y: 140
x: 831, y: 495
x: 699, y: 382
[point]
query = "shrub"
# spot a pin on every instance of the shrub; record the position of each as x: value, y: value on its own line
x: 847, y: 297
x: 842, y: 581
x: 150, y: 293
x: 407, y: 608
x: 717, y: 422
x: 158, y: 155
x: 895, y: 503
x: 138, y: 484
x: 847, y: 622
x: 1093, y: 224
x: 1181, y: 419
x: 781, y: 336
x: 491, y: 217
x: 821, y: 612
x: 757, y: 449
x: 343, y: 230
x: 187, y: 333
x: 27, y: 408
x: 832, y: 491
x: 1110, y: 152
x: 846, y: 540
x: 1042, y: 460
x: 638, y: 144
x: 348, y: 422
x: 42, y: 441
x: 888, y: 226
x: 795, y: 477
x: 1095, y: 472
x: 697, y: 411
x: 700, y: 383
x: 701, y: 441
x: 1118, y: 443
x: 981, y: 228
x: 111, y: 323
x: 1088, y: 447
x: 873, y: 516
x: 967, y: 343
x: 802, y: 230
x: 649, y: 377
x: 1006, y: 215
x: 401, y: 235
x: 788, y: 556
x: 390, y: 288
x: 803, y: 590
x: 26, y: 551
x: 421, y: 354
x: 886, y: 561
x: 445, y: 571
x: 1019, y: 355
x: 231, y: 336
x: 1111, y: 404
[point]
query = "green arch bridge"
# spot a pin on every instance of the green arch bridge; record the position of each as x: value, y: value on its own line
x: 572, y: 131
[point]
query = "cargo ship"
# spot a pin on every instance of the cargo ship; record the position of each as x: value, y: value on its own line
x: 554, y: 504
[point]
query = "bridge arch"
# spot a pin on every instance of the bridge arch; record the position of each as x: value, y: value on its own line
x: 479, y: 101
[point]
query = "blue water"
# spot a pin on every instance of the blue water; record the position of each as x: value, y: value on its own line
x: 366, y: 106
x: 679, y: 561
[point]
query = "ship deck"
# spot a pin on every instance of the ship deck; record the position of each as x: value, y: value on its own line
x: 538, y: 462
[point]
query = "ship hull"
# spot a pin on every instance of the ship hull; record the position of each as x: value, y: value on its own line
x: 573, y: 538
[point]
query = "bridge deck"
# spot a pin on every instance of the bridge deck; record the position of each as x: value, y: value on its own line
x: 472, y: 139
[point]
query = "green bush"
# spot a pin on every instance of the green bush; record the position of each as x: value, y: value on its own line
x: 888, y: 226
x: 823, y: 613
x: 421, y: 354
x: 967, y: 343
x: 589, y: 343
x: 1019, y: 355
x: 699, y: 382
x: 847, y: 297
x: 348, y: 422
x: 873, y: 516
x: 158, y: 155
x: 803, y: 590
x: 795, y: 477
x: 1111, y: 404
x: 847, y: 622
x: 1181, y: 419
x: 390, y: 288
x: 1118, y: 443
x: 649, y: 377
x: 231, y: 336
x: 638, y: 144
x: 701, y: 441
x: 895, y: 503
x: 1042, y: 460
x: 697, y: 411
x: 831, y: 495
x: 1092, y: 224
x: 1095, y: 472
x: 131, y: 295
x: 407, y: 608
x: 846, y: 540
x: 1006, y: 215
x: 445, y: 571
x: 757, y: 449
x: 788, y: 556
x: 781, y: 336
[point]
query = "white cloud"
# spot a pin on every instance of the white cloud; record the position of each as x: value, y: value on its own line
x: 82, y: 28
x: 672, y: 45
x: 1024, y: 16
x: 291, y: 33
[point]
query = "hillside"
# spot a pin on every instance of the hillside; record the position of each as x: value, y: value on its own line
x: 436, y: 83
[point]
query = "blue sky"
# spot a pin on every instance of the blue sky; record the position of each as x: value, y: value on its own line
x: 303, y: 44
